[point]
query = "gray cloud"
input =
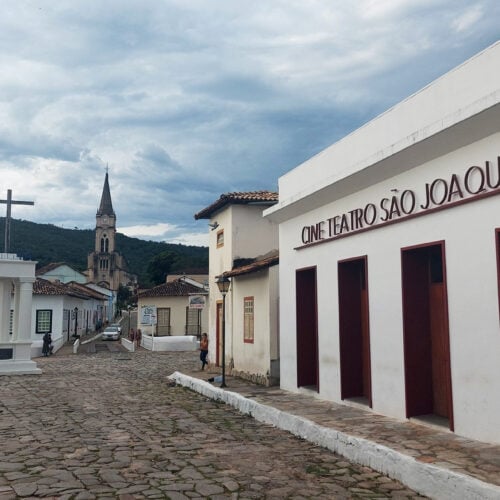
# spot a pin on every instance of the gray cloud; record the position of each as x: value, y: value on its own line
x: 186, y: 100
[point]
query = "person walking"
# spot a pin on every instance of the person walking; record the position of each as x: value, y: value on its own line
x: 138, y: 337
x: 203, y: 350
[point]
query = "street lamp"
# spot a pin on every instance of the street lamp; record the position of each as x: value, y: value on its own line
x: 223, y: 282
x: 76, y: 321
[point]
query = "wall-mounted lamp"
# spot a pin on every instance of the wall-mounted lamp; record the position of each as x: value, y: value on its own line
x: 214, y: 225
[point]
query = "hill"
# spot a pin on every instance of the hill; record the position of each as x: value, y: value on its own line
x: 46, y: 243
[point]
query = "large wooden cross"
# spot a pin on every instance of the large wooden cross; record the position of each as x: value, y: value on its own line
x: 9, y: 201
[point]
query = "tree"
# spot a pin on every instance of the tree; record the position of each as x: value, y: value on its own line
x: 123, y: 297
x: 160, y: 265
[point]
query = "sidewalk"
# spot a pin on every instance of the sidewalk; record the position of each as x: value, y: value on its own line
x: 433, y: 462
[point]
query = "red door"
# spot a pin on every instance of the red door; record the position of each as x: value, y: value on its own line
x: 307, y: 329
x: 354, y: 335
x: 426, y: 334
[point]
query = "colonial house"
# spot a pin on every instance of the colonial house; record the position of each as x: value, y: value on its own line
x: 243, y: 247
x: 172, y: 309
x: 61, y: 272
x: 65, y: 311
x: 255, y: 292
x: 390, y: 260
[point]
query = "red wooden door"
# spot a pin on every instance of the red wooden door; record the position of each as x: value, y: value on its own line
x: 426, y: 335
x: 440, y: 351
x: 354, y: 335
x: 307, y: 329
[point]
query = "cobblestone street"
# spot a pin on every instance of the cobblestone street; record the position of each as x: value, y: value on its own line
x: 109, y: 425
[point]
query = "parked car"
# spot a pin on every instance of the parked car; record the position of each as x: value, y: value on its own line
x: 110, y: 333
x: 117, y: 325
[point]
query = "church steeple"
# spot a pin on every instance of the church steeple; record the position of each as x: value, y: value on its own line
x: 106, y: 267
x: 106, y: 207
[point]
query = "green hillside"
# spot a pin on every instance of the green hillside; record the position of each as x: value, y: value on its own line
x: 46, y: 243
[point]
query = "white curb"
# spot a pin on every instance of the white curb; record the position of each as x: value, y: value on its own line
x: 427, y: 479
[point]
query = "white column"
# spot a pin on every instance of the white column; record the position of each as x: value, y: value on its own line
x: 25, y: 297
x: 5, y: 293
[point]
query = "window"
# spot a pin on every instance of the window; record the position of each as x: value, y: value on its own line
x: 43, y: 321
x: 220, y: 238
x: 104, y: 244
x: 248, y: 319
x: 163, y: 321
x: 193, y: 321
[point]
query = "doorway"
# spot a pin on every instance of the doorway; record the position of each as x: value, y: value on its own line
x: 354, y: 333
x: 426, y: 334
x: 307, y: 329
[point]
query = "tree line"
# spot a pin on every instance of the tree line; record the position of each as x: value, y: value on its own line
x: 149, y: 260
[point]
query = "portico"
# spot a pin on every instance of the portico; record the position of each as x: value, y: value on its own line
x: 16, y: 286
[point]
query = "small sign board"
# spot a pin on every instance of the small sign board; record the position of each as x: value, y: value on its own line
x: 148, y: 315
x: 197, y: 301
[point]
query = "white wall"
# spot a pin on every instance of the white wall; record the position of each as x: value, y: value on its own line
x: 247, y: 234
x: 177, y: 307
x: 469, y: 234
x: 253, y: 358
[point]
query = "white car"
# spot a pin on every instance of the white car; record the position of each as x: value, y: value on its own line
x: 117, y: 325
x: 110, y: 333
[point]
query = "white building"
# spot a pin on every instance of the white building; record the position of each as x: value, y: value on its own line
x: 173, y: 316
x: 65, y: 311
x: 390, y: 255
x: 243, y: 245
x: 62, y: 272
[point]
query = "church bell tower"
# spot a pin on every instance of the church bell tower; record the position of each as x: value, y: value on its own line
x: 105, y: 265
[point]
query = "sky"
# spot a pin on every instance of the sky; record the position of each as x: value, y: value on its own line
x: 184, y: 100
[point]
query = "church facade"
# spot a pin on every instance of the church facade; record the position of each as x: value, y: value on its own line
x: 106, y: 267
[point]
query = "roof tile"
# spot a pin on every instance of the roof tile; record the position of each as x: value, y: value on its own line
x: 238, y: 198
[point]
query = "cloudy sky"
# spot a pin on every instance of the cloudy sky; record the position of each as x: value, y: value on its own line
x: 188, y: 99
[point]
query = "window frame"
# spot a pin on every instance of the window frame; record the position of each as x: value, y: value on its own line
x: 248, y: 320
x: 220, y: 238
x: 39, y: 329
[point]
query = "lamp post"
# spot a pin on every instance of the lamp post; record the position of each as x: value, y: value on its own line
x: 76, y: 321
x: 223, y: 282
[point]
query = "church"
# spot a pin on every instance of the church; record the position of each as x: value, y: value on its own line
x: 106, y: 266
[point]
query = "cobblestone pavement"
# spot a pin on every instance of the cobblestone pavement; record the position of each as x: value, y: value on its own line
x: 108, y: 425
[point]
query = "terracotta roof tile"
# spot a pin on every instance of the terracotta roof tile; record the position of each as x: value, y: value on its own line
x: 253, y: 267
x: 176, y: 288
x: 238, y: 198
x: 46, y: 287
x: 87, y: 291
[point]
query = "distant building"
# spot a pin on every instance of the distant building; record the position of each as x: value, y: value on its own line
x: 65, y: 310
x: 106, y: 266
x: 175, y: 313
x: 60, y: 271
